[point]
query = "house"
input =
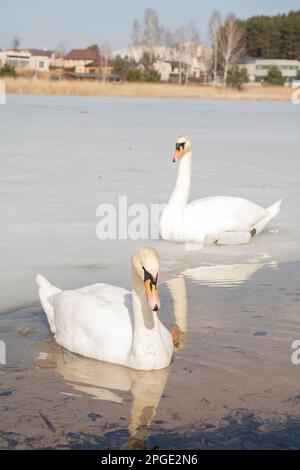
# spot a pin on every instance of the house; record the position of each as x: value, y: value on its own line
x: 18, y: 59
x: 100, y: 65
x: 78, y: 59
x: 170, y: 62
x: 41, y: 60
x: 87, y: 61
x: 164, y: 68
x: 258, y: 68
x: 192, y: 68
x: 28, y: 59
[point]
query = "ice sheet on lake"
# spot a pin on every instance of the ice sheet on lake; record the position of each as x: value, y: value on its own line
x: 58, y: 165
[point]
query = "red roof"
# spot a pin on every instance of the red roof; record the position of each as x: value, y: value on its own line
x: 81, y: 54
x: 40, y: 52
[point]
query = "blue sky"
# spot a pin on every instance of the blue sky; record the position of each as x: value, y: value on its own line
x: 78, y: 23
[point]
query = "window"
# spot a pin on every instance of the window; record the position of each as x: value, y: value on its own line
x: 41, y: 64
x: 17, y: 63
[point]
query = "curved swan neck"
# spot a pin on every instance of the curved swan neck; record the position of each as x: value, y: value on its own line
x: 148, y: 349
x: 143, y: 316
x: 181, y: 192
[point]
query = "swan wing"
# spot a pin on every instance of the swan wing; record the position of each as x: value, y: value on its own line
x: 105, y: 292
x: 221, y: 207
x: 94, y: 321
x: 214, y: 215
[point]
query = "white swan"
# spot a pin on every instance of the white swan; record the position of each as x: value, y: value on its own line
x: 95, y: 321
x: 220, y: 219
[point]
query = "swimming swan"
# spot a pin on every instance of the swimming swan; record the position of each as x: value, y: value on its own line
x: 95, y: 321
x: 222, y: 220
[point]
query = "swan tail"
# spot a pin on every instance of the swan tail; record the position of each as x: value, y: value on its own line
x: 272, y: 211
x: 46, y: 291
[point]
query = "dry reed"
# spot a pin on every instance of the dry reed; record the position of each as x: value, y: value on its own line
x: 147, y: 90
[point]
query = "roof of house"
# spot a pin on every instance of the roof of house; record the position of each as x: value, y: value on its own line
x: 15, y: 53
x: 252, y: 60
x: 100, y: 63
x: 81, y: 54
x: 40, y: 52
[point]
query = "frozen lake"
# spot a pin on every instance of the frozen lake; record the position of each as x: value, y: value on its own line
x: 63, y: 156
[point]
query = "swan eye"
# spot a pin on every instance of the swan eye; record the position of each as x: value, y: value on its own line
x: 149, y: 277
x: 180, y: 145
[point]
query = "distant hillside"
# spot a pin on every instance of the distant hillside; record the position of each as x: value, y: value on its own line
x: 273, y: 37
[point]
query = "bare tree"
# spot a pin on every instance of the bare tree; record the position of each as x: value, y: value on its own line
x: 15, y: 43
x: 179, y: 47
x: 231, y: 44
x: 186, y: 49
x: 191, y: 47
x: 152, y: 31
x: 213, y: 29
x: 60, y: 49
x: 96, y: 49
x: 168, y: 40
x: 104, y: 56
x: 166, y: 36
x: 136, y: 33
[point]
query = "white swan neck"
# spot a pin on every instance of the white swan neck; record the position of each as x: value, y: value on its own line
x: 144, y: 318
x: 181, y: 192
x: 147, y: 341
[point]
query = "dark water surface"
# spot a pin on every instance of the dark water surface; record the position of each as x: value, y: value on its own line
x: 231, y: 384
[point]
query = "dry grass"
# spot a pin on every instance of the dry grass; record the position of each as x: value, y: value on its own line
x: 147, y: 90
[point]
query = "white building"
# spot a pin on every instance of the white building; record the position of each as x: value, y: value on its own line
x: 258, y: 68
x: 28, y: 59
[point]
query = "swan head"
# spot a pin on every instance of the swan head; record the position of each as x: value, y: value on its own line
x: 182, y: 147
x: 145, y: 262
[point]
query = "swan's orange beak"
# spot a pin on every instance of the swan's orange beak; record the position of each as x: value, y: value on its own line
x: 178, y: 154
x: 152, y: 295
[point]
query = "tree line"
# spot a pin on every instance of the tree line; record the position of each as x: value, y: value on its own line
x: 273, y: 37
x: 268, y: 37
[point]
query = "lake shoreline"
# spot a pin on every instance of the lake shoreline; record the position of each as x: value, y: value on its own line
x: 41, y: 86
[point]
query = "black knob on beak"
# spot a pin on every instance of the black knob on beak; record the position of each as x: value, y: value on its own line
x: 155, y: 308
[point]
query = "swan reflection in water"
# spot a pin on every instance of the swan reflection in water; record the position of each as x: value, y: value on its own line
x: 226, y: 275
x: 105, y: 381
x: 210, y: 275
